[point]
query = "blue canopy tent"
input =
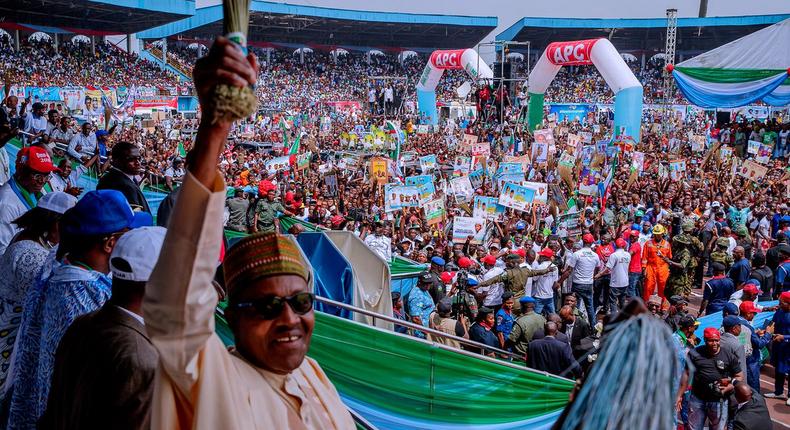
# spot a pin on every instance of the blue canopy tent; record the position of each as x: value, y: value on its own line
x: 334, y: 278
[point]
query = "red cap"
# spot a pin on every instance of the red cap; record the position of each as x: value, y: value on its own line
x: 488, y: 259
x: 785, y: 296
x: 711, y: 333
x: 336, y: 220
x: 588, y: 238
x: 635, y: 233
x: 464, y: 263
x: 751, y: 289
x: 620, y: 243
x: 546, y: 252
x: 37, y: 159
x: 521, y: 252
x: 446, y: 277
x: 748, y: 306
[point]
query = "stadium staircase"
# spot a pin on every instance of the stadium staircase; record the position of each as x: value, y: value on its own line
x: 154, y: 55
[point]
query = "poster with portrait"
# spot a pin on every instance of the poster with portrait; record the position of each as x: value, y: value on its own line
x: 422, y: 129
x: 277, y: 164
x: 544, y: 140
x: 588, y: 181
x: 481, y: 148
x: 698, y: 143
x: 586, y: 137
x: 398, y: 196
x: 478, y: 162
x: 461, y: 165
x: 426, y: 191
x: 638, y: 161
x: 378, y: 170
x: 763, y: 155
x: 515, y: 178
x: 752, y: 171
x: 462, y: 188
x: 516, y: 196
x: 574, y: 142
x: 507, y: 168
x: 428, y: 163
x: 753, y: 147
x: 468, y: 141
x: 522, y: 159
x: 725, y: 153
x: 588, y: 151
x: 477, y: 178
x: 677, y: 170
x: 487, y: 207
x: 541, y: 191
x: 434, y: 211
x: 463, y: 227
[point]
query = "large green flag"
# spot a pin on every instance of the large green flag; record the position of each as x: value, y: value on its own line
x: 295, y: 147
x: 181, y: 151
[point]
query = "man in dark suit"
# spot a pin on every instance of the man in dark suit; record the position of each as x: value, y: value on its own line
x: 751, y: 412
x: 540, y: 334
x: 575, y: 328
x: 551, y: 354
x: 105, y: 363
x: 126, y: 163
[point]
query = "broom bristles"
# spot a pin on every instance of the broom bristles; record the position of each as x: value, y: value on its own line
x: 236, y: 16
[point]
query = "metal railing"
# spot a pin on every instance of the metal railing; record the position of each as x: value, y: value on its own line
x: 470, y: 343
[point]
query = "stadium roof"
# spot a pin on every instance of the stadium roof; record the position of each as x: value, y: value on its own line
x: 92, y: 16
x: 694, y: 34
x: 351, y: 29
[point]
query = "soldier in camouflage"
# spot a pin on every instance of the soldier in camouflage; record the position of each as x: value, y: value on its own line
x: 695, y: 247
x: 719, y: 255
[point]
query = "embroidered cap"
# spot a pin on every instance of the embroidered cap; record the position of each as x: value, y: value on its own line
x: 262, y: 255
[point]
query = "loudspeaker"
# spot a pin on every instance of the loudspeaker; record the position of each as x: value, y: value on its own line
x: 499, y: 72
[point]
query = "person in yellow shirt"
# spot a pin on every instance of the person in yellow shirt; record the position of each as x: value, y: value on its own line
x: 267, y: 382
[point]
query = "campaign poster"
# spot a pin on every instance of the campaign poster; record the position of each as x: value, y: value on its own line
x: 426, y: 192
x: 487, y: 207
x: 725, y: 152
x: 516, y: 196
x: 698, y: 143
x: 754, y: 147
x: 638, y: 161
x: 541, y: 191
x: 478, y: 162
x: 752, y: 171
x: 588, y: 151
x: 419, y: 180
x: 303, y: 160
x: 510, y: 168
x: 434, y: 211
x: 481, y: 148
x: 378, y: 169
x: 462, y: 188
x: 523, y: 159
x: 515, y: 178
x: 677, y: 170
x: 468, y: 141
x: 278, y: 164
x: 588, y: 182
x: 476, y: 178
x: 428, y: 163
x: 586, y: 137
x: 463, y: 227
x: 763, y: 155
x: 422, y: 129
x: 461, y: 165
x: 398, y: 196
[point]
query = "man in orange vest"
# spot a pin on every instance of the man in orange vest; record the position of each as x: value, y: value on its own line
x: 653, y: 261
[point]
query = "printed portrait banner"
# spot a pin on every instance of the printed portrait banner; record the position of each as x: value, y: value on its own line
x: 434, y: 211
x: 541, y: 191
x: 487, y: 207
x: 398, y: 196
x: 663, y: 173
x: 516, y: 196
x: 725, y: 152
x: 638, y: 161
x: 378, y: 170
x: 540, y: 152
x: 752, y: 171
x: 468, y: 141
x: 514, y: 178
x: 428, y: 163
x: 588, y: 151
x: 481, y: 148
x: 419, y: 180
x: 522, y: 159
x: 763, y: 155
x: 574, y: 141
x: 698, y: 143
x: 588, y: 182
x: 303, y: 160
x: 278, y: 164
x: 461, y: 165
x: 422, y: 129
x: 510, y: 168
x: 586, y: 137
x: 426, y: 192
x: 677, y: 170
x: 754, y: 147
x: 478, y: 162
x: 477, y: 178
x: 462, y: 188
x: 464, y: 227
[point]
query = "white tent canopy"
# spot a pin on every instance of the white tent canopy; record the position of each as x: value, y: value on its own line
x: 629, y: 58
x: 338, y: 51
x: 305, y: 50
x: 39, y: 36
x: 81, y: 38
x: 158, y: 43
x: 659, y: 56
x: 4, y: 33
x: 515, y: 56
x: 375, y: 52
x: 195, y: 45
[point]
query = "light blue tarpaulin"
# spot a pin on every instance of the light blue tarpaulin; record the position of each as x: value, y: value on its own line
x: 334, y: 278
x: 714, y: 320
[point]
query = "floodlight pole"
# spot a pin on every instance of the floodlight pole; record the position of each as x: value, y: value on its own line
x: 669, y: 60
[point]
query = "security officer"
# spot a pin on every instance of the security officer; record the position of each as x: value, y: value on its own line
x: 515, y: 277
x: 720, y: 254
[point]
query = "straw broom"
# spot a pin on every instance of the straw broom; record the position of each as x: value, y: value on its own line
x: 232, y: 103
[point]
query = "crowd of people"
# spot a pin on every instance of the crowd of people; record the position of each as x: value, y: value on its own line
x: 539, y: 285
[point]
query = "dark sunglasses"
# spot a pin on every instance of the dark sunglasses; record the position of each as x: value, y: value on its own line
x: 270, y: 307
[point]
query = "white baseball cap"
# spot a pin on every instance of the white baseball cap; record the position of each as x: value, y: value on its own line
x: 57, y: 201
x: 136, y: 252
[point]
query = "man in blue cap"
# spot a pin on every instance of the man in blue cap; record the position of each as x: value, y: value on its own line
x: 437, y: 289
x: 525, y: 326
x: 421, y: 305
x: 78, y: 284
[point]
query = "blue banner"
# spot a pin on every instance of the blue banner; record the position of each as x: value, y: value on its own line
x: 43, y: 94
x: 570, y: 111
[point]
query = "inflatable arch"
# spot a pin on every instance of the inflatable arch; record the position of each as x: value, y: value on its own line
x: 457, y: 59
x: 601, y: 53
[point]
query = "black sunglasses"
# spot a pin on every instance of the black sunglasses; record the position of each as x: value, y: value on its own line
x: 270, y: 307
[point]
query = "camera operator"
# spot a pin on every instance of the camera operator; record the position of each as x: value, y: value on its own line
x: 713, y: 382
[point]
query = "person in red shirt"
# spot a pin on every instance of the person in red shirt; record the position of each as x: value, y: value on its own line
x: 601, y: 285
x: 635, y: 268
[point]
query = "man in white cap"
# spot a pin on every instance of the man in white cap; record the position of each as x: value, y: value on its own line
x: 105, y: 363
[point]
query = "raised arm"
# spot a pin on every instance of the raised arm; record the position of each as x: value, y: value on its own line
x: 180, y: 299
